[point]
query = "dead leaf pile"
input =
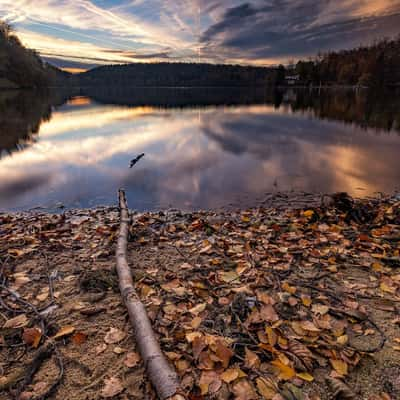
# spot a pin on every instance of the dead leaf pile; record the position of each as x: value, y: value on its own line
x: 251, y: 304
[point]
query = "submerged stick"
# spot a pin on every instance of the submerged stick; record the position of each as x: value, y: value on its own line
x: 161, y: 375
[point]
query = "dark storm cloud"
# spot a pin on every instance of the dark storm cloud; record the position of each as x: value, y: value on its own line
x: 282, y: 28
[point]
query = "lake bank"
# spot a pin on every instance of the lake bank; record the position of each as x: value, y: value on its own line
x: 262, y: 301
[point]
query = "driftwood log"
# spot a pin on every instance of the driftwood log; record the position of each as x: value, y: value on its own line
x: 162, y: 376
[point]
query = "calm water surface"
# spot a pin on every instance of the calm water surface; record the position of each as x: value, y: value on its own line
x: 204, y: 148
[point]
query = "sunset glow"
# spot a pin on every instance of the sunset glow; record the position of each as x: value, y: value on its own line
x: 78, y: 35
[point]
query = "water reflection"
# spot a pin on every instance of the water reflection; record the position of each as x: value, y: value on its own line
x: 20, y: 119
x: 204, y: 156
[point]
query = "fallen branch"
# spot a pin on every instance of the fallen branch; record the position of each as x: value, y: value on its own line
x: 161, y: 375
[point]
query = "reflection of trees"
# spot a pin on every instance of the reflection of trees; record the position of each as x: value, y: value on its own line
x: 364, y: 108
x: 368, y: 109
x: 178, y: 97
x: 21, y: 114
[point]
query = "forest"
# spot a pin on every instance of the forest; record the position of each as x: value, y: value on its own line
x: 377, y: 65
x: 181, y: 74
x: 21, y: 67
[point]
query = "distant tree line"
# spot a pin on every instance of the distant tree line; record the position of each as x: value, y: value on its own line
x: 377, y: 65
x: 181, y: 74
x: 21, y: 67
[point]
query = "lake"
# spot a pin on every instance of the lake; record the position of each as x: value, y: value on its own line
x: 204, y: 148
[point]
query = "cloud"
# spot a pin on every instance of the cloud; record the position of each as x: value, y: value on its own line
x: 69, y: 22
x: 283, y: 28
x: 238, y: 31
x: 84, y: 15
x: 82, y: 53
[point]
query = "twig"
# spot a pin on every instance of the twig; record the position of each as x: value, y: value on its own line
x: 180, y: 253
x: 50, y: 277
x: 26, y: 303
x: 43, y: 354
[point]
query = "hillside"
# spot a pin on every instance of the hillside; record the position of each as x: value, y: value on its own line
x: 180, y: 74
x: 19, y: 66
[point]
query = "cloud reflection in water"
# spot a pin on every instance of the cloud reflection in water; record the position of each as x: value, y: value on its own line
x: 204, y: 158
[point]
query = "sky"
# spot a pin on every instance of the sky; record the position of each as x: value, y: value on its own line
x: 81, y: 34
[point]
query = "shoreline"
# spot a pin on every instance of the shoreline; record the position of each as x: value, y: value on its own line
x: 263, y: 301
x: 280, y: 200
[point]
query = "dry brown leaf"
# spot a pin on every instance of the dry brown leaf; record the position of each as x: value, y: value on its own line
x: 118, y: 350
x: 265, y: 298
x: 287, y: 288
x: 172, y: 355
x: 205, y: 361
x: 43, y: 294
x: 101, y: 348
x: 340, y: 367
x: 266, y: 388
x: 251, y: 359
x: 343, y: 340
x: 114, y: 335
x: 190, y: 337
x: 198, y: 345
x: 64, y: 331
x: 272, y: 336
x: 79, y: 338
x: 32, y: 336
x: 223, y: 353
x: 132, y: 359
x: 309, y: 326
x: 182, y: 365
x: 388, y: 288
x: 302, y: 353
x: 243, y: 390
x: 198, y: 309
x: 230, y: 375
x: 268, y: 313
x: 196, y: 322
x: 229, y: 276
x: 17, y: 322
x: 305, y: 376
x: 209, y: 382
x: 113, y: 387
x: 293, y: 301
x: 340, y: 389
x: 285, y: 371
x: 306, y: 300
x: 320, y: 309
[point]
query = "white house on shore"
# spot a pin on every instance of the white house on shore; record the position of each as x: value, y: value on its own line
x: 292, y: 79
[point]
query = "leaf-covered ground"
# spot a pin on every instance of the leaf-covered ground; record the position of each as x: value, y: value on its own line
x: 264, y: 303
